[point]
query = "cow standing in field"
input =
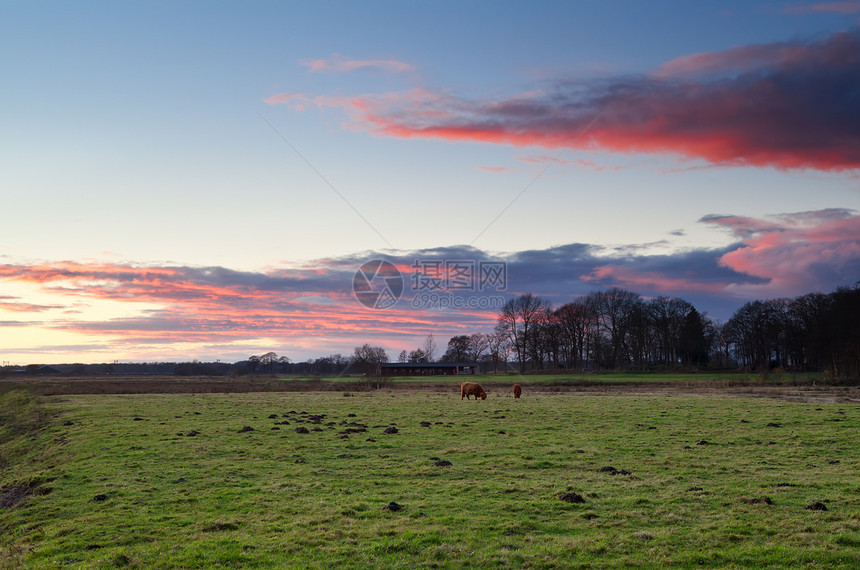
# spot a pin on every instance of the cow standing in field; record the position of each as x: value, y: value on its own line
x: 518, y: 391
x: 472, y: 389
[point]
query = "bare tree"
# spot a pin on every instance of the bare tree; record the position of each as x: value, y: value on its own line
x: 499, y: 347
x: 340, y: 363
x: 458, y: 349
x: 576, y: 320
x: 518, y: 320
x: 478, y: 345
x: 667, y: 315
x: 429, y: 348
x: 615, y: 310
x: 756, y: 328
x: 542, y: 343
x: 267, y: 361
x: 805, y: 330
x: 417, y: 355
x: 367, y: 358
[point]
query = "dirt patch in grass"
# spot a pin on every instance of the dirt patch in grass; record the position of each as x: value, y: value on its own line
x: 759, y: 501
x: 13, y: 495
x: 572, y: 498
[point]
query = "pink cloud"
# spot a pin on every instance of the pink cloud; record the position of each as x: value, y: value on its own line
x: 496, y: 169
x: 287, y: 99
x: 218, y: 305
x: 586, y: 164
x: 794, y: 253
x: 168, y: 307
x: 13, y: 304
x: 340, y: 63
x: 787, y: 105
x: 786, y: 255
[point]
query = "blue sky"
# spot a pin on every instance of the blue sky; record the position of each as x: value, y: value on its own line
x: 150, y: 135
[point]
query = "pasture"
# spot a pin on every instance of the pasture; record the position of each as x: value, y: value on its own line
x: 549, y: 480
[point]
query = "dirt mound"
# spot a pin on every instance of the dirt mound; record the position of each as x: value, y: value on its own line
x: 816, y: 506
x: 11, y: 496
x: 759, y: 501
x: 572, y: 498
x: 613, y: 471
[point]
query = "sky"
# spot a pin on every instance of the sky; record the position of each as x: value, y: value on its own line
x: 213, y: 180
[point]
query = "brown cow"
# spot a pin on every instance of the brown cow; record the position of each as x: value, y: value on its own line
x: 517, y: 391
x: 472, y: 389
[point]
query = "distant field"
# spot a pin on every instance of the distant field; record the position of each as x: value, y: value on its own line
x: 211, y: 480
x: 584, y: 378
x: 613, y: 378
x: 498, y: 383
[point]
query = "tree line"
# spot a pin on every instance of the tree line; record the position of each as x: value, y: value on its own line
x: 617, y: 329
x: 620, y: 330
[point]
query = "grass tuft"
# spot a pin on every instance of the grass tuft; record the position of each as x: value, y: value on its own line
x: 21, y: 412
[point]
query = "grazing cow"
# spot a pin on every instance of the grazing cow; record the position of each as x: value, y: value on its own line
x: 517, y: 391
x: 472, y: 389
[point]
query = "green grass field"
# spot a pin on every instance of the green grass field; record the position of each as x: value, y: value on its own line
x: 693, y: 473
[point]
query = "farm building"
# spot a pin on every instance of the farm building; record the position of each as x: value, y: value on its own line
x: 427, y: 368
